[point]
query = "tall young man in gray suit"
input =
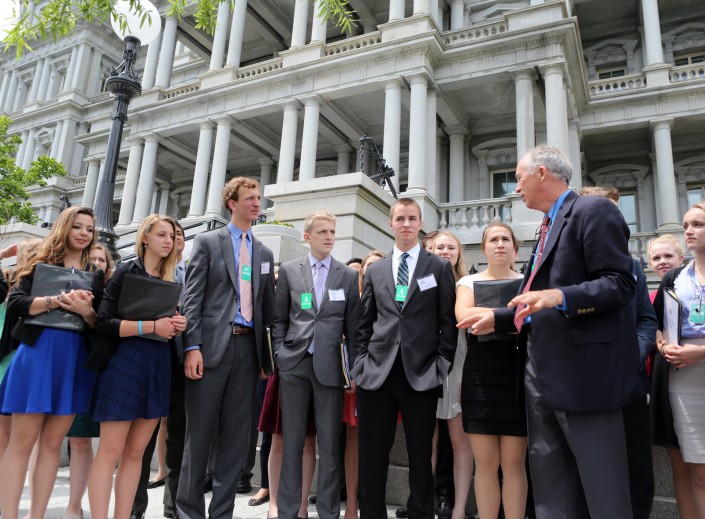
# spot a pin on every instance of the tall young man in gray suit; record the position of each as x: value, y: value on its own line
x: 229, y: 298
x: 317, y: 305
x: 578, y: 337
x: 406, y: 344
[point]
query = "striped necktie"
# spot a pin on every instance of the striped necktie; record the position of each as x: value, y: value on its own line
x: 403, y: 274
x: 246, y: 309
x: 545, y: 226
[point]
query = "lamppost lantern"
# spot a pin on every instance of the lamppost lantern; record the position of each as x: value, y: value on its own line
x: 135, y: 29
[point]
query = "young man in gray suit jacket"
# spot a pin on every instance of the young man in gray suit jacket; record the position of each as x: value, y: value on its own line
x: 229, y: 301
x: 317, y: 306
x: 406, y: 340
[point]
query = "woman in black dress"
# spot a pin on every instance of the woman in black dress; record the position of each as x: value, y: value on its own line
x: 132, y: 391
x: 492, y: 415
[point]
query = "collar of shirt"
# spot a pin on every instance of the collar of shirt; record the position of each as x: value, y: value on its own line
x: 312, y: 261
x: 410, y: 261
x: 553, y: 212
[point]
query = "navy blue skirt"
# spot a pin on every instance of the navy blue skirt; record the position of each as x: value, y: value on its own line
x: 136, y: 382
x: 48, y: 377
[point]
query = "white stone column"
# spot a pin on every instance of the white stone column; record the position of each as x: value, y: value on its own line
x: 574, y: 136
x: 431, y: 172
x: 200, y: 173
x: 66, y: 143
x: 21, y: 95
x: 89, y: 189
x: 417, y: 132
x: 319, y: 25
x: 309, y: 139
x: 391, y: 143
x: 457, y: 14
x: 298, y: 31
x: 11, y: 93
x: 220, y: 165
x: 524, y: 85
x: 343, y: 151
x: 556, y: 107
x: 54, y: 81
x: 94, y: 73
x: 57, y: 134
x: 456, y: 163
x: 237, y: 30
x: 148, y: 172
x: 667, y: 195
x: 163, y: 199
x: 265, y: 178
x: 151, y: 62
x: 437, y: 187
x: 72, y: 67
x: 422, y: 7
x: 287, y: 150
x: 5, y: 87
x: 132, y: 177
x: 166, y: 52
x: 433, y: 9
x: 652, y: 32
x: 44, y: 81
x: 220, y: 36
x: 80, y: 72
x: 35, y: 82
x: 396, y: 11
x: 19, y: 158
x: 28, y: 155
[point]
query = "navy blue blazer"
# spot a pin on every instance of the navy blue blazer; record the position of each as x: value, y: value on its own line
x: 587, y: 359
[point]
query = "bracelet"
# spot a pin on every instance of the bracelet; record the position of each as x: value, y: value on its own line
x: 155, y: 327
x: 139, y: 328
x: 47, y: 300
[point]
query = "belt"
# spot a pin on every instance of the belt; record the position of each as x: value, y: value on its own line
x: 242, y: 330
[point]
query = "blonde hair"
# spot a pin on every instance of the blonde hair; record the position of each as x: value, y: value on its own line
x: 365, y: 260
x: 404, y: 202
x: 318, y: 215
x: 166, y: 266
x: 459, y: 269
x: 54, y: 249
x: 665, y: 239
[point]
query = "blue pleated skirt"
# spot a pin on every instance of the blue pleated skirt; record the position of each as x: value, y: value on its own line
x: 136, y: 383
x: 48, y: 377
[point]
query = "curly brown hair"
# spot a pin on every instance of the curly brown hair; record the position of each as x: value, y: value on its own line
x: 231, y: 188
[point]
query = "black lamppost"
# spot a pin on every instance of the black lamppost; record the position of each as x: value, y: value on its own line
x: 124, y: 84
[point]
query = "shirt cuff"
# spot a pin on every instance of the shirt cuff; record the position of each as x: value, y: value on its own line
x: 564, y: 307
x: 194, y: 347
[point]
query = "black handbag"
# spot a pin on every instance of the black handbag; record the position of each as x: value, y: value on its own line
x: 52, y: 280
x: 148, y: 299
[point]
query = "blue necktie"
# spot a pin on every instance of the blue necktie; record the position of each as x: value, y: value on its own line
x: 403, y: 274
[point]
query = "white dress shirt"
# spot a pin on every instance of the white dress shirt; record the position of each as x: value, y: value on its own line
x: 410, y: 261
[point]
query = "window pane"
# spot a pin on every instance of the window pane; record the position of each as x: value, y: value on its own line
x: 695, y: 195
x: 628, y: 207
x: 503, y: 183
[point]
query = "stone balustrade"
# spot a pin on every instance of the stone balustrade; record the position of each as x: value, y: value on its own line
x: 355, y: 43
x: 617, y: 85
x: 475, y: 214
x: 259, y: 68
x: 190, y: 88
x: 469, y: 34
x: 687, y: 73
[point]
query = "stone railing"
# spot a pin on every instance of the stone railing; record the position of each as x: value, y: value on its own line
x: 617, y: 85
x: 475, y: 214
x: 80, y: 181
x: 476, y: 32
x: 103, y: 96
x: 42, y: 104
x: 357, y: 42
x: 638, y: 242
x: 259, y: 68
x: 687, y: 73
x: 182, y: 90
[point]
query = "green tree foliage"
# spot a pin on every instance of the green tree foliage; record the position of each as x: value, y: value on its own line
x: 59, y: 17
x: 14, y: 180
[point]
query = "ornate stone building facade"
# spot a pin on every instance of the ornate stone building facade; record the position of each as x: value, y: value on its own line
x: 451, y: 90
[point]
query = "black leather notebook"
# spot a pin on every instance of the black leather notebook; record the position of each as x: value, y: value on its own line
x: 148, y: 299
x: 495, y: 294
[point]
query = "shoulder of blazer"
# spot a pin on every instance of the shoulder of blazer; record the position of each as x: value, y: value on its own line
x: 669, y: 279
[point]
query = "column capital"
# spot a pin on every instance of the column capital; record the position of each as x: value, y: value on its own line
x: 312, y: 101
x: 224, y: 120
x: 136, y: 140
x: 527, y: 73
x: 266, y: 161
x: 552, y: 68
x: 94, y: 163
x: 343, y: 148
x: 457, y: 2
x: 205, y: 125
x: 393, y: 84
x: 419, y: 79
x: 662, y: 124
x: 458, y: 129
x: 152, y: 137
x: 432, y: 91
x: 291, y: 106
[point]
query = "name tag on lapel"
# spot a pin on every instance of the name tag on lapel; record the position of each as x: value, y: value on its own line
x: 264, y: 268
x: 426, y: 282
x: 337, y: 294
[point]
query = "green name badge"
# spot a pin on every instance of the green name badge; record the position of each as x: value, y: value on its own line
x: 306, y: 300
x: 401, y: 293
x: 697, y: 313
x: 247, y: 272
